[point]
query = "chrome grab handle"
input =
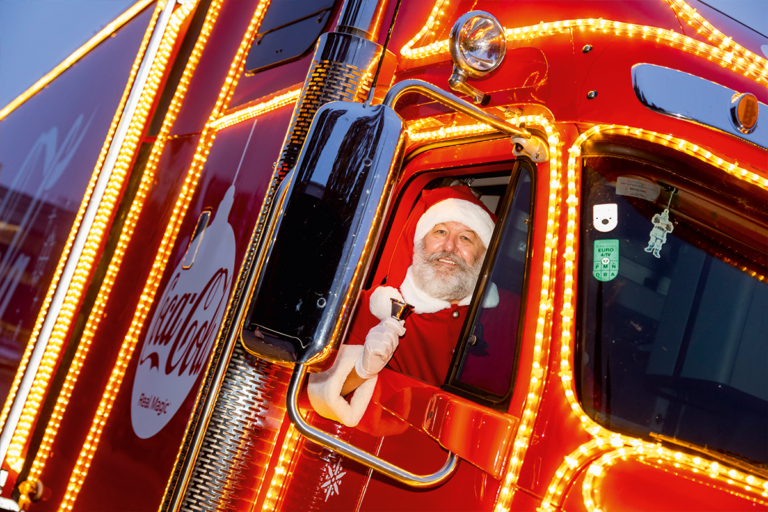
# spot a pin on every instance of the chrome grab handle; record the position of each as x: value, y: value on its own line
x: 452, y: 101
x: 363, y: 457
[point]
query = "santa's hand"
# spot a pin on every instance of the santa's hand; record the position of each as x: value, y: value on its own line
x: 380, y: 344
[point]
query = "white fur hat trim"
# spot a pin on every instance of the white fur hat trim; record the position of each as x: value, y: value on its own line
x: 456, y: 210
x: 324, y: 389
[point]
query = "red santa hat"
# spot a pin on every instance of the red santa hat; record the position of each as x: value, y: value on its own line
x: 445, y: 204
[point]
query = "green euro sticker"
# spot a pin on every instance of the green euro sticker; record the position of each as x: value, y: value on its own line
x: 605, y: 265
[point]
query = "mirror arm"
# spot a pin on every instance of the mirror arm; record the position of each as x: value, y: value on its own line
x: 356, y: 454
x: 454, y: 102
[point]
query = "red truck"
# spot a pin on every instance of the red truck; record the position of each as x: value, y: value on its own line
x: 192, y: 204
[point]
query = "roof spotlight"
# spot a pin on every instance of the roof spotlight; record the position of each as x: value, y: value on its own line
x: 478, y: 45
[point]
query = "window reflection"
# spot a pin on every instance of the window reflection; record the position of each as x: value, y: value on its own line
x: 674, y: 344
x: 487, y: 363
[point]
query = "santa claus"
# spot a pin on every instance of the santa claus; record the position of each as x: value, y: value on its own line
x: 434, y: 268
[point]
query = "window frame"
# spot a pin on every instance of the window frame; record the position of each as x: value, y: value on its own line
x: 452, y: 384
x: 512, y: 167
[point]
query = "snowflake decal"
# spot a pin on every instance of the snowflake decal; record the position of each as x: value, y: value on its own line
x: 332, y: 479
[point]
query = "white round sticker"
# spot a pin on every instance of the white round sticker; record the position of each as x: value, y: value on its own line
x: 184, y: 327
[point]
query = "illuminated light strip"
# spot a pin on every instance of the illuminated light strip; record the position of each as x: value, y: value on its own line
x: 76, y: 55
x: 739, y: 60
x: 90, y: 252
x: 208, y: 135
x: 604, y: 437
x: 281, y: 468
x: 432, y: 22
x: 726, y: 44
x: 114, y: 266
x: 60, y: 267
x: 543, y: 327
x: 256, y: 110
x: 598, y: 469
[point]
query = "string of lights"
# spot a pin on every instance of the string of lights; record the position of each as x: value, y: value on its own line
x: 725, y: 52
x: 291, y: 442
x: 78, y: 54
x: 97, y: 311
x: 90, y: 253
x: 261, y: 108
x: 21, y: 370
x: 164, y: 252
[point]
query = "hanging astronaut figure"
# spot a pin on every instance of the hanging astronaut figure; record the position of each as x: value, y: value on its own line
x: 661, y: 226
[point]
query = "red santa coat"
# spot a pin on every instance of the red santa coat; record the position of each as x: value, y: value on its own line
x: 426, y: 350
x: 432, y: 332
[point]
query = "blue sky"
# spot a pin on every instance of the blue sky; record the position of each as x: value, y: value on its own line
x: 35, y: 35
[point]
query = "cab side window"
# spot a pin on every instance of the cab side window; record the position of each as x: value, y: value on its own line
x: 485, y: 358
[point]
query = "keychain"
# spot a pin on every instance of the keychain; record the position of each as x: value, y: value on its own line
x: 661, y: 226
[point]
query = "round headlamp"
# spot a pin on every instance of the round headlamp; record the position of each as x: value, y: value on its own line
x: 477, y: 43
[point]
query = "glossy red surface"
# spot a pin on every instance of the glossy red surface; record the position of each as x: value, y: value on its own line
x: 474, y: 433
x: 550, y: 73
x: 636, y: 487
x: 211, y: 71
x: 123, y: 452
x: 49, y: 147
x: 392, y: 429
x: 106, y: 344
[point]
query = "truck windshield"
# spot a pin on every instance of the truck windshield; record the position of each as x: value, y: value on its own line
x: 673, y: 310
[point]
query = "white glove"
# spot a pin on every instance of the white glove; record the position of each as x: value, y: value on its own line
x: 380, y: 344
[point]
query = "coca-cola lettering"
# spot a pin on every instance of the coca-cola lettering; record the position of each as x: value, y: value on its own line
x: 192, y: 340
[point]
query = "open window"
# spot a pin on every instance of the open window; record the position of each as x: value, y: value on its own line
x: 483, y: 352
x: 673, y: 302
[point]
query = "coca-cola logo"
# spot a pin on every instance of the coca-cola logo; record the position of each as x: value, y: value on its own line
x: 184, y: 327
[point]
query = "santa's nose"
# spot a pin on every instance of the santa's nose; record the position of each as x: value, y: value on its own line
x: 449, y: 245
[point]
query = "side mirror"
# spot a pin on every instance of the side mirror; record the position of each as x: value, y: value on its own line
x: 318, y: 254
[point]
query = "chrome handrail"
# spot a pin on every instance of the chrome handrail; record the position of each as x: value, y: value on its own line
x: 354, y: 453
x: 452, y: 101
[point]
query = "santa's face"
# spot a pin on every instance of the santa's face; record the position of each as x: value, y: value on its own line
x: 454, y: 238
x: 447, y: 261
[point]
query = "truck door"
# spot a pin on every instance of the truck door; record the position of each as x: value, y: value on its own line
x: 412, y: 424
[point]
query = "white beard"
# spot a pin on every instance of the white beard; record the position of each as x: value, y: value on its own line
x: 448, y: 283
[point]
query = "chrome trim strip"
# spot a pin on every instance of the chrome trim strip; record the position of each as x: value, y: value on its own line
x: 356, y: 454
x: 452, y: 101
x: 85, y: 227
x: 684, y: 96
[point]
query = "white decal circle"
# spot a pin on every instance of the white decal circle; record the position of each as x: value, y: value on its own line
x: 184, y: 327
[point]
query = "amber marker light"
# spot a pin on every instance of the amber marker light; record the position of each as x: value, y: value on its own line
x: 616, y: 447
x: 88, y: 450
x: 107, y: 31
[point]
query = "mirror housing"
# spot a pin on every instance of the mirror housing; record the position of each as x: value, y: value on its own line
x: 317, y: 257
